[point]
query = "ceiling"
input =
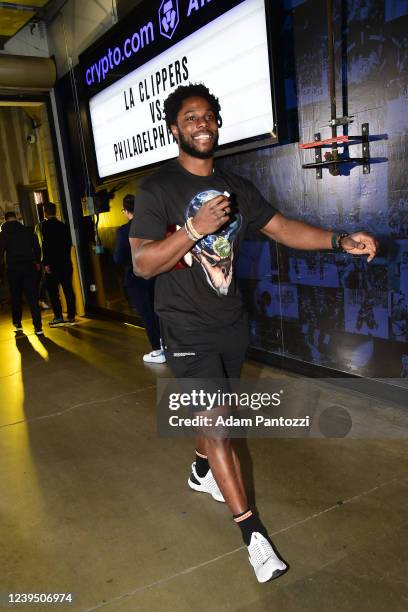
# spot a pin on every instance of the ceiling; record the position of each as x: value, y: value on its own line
x: 14, y: 15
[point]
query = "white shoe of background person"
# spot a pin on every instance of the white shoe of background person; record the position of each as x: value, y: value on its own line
x: 43, y: 305
x: 155, y: 357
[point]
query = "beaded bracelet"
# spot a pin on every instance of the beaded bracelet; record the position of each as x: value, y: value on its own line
x: 189, y: 234
x: 336, y: 239
x: 191, y: 230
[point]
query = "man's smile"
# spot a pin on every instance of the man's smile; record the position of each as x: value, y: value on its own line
x: 203, y: 136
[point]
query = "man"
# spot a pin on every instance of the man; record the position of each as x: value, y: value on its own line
x: 140, y: 291
x: 200, y: 309
x: 57, y: 264
x: 23, y: 256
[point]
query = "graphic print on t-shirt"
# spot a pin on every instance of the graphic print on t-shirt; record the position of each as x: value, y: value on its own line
x: 215, y: 252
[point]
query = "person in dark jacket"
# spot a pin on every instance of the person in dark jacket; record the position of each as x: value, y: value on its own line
x: 140, y: 292
x: 57, y: 264
x: 23, y: 256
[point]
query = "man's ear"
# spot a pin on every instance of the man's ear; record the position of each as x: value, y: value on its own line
x: 175, y: 131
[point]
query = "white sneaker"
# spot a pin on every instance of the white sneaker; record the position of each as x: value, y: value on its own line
x: 155, y: 357
x: 262, y: 557
x: 207, y: 484
x: 43, y: 305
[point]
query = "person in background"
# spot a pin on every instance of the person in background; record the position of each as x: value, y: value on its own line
x: 57, y: 264
x: 140, y: 292
x: 23, y: 256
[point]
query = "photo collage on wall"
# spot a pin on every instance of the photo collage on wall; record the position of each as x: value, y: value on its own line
x: 327, y: 308
x: 320, y: 307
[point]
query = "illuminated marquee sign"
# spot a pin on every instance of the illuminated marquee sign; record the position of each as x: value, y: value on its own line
x: 220, y: 43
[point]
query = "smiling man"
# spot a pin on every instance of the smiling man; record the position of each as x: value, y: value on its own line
x: 191, y: 218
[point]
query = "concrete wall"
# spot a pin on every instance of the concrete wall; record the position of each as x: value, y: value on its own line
x: 25, y: 163
x: 20, y: 162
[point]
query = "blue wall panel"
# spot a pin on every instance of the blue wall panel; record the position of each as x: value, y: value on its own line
x: 324, y: 308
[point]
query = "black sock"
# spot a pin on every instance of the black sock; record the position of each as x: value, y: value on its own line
x: 201, y: 465
x: 248, y: 523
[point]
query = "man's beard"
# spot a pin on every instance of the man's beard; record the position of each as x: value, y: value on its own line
x: 190, y: 150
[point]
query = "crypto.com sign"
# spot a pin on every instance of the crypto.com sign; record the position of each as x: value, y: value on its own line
x: 142, y: 37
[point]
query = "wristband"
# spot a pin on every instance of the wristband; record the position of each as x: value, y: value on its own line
x: 336, y: 241
x: 189, y: 234
x: 192, y: 230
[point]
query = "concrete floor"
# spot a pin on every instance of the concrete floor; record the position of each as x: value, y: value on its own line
x: 94, y: 503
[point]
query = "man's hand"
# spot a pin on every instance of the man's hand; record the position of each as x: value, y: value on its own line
x: 360, y: 243
x: 212, y: 215
x: 47, y: 269
x: 300, y: 235
x: 153, y: 257
x: 38, y: 266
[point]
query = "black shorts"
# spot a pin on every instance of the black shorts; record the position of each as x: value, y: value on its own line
x: 209, y: 353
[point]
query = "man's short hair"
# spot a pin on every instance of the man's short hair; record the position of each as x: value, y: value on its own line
x: 50, y: 208
x: 10, y: 215
x: 129, y: 203
x: 175, y: 100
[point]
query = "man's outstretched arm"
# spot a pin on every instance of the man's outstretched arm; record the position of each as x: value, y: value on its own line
x: 299, y: 235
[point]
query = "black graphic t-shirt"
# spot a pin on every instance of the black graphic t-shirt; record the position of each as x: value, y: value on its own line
x: 202, y: 290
